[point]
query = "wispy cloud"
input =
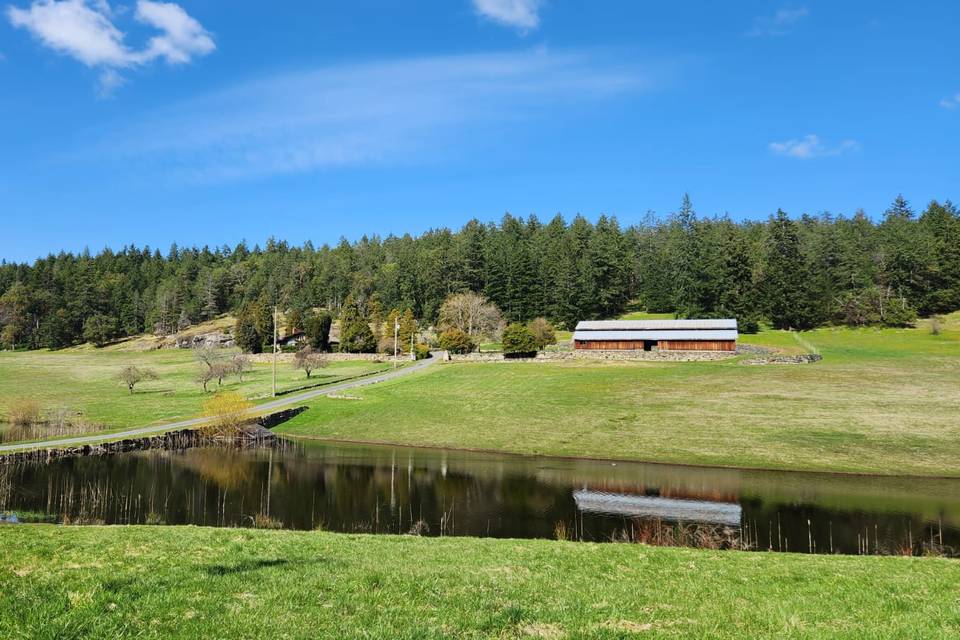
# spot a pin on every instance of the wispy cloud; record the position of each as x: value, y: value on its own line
x: 952, y: 102
x: 385, y: 113
x: 780, y: 23
x: 811, y: 146
x: 520, y: 14
x: 85, y: 31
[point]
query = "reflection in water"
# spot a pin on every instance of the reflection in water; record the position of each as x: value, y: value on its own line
x: 436, y: 492
x: 670, y: 509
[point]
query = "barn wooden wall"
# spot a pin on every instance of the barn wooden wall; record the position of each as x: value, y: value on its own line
x: 610, y: 345
x: 663, y: 345
x: 697, y: 345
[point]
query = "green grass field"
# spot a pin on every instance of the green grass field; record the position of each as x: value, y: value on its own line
x: 882, y: 401
x: 85, y: 380
x: 185, y: 582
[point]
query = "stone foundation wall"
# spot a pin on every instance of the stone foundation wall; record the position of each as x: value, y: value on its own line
x: 620, y: 356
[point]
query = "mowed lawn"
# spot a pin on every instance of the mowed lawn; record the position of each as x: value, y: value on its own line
x: 881, y: 401
x: 85, y: 381
x: 186, y: 582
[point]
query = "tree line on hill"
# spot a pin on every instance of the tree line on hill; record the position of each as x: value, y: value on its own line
x: 793, y: 272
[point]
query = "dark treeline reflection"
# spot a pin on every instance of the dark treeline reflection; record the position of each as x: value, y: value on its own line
x: 433, y: 492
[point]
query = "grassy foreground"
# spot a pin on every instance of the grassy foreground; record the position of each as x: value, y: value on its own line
x: 881, y: 401
x: 108, y: 582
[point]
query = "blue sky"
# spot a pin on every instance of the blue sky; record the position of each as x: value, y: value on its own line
x: 210, y: 122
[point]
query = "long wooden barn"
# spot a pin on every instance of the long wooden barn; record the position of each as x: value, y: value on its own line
x: 659, y: 335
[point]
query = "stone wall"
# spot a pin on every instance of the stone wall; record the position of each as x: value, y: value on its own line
x: 620, y: 356
x: 331, y: 357
x: 781, y: 358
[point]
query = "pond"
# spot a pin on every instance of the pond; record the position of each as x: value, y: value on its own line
x: 386, y: 489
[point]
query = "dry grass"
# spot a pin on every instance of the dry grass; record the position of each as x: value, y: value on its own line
x: 23, y: 412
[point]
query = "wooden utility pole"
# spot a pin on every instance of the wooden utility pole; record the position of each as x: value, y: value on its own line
x: 396, y: 345
x: 274, y: 351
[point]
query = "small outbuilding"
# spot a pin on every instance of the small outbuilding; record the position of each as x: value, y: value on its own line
x: 656, y: 335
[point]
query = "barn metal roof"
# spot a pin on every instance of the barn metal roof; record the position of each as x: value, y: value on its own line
x: 721, y: 334
x: 656, y: 325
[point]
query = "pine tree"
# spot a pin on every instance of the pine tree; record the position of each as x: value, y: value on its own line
x: 906, y: 253
x: 355, y: 333
x: 245, y: 332
x: 786, y: 277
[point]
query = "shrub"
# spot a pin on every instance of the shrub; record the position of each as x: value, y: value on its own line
x: 874, y: 306
x: 421, y: 351
x: 456, y: 341
x: 935, y: 324
x: 519, y: 341
x: 23, y: 412
x: 748, y: 325
x: 227, y: 412
x: 543, y: 332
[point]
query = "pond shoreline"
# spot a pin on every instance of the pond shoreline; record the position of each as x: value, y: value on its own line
x: 690, y: 465
x: 262, y: 433
x: 256, y: 433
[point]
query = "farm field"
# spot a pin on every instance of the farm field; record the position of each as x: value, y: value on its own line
x: 85, y: 382
x: 107, y: 582
x: 883, y: 401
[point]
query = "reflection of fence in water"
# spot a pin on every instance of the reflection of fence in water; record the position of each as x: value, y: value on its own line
x: 599, y: 502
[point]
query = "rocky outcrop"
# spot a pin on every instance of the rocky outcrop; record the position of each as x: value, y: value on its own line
x: 214, y: 339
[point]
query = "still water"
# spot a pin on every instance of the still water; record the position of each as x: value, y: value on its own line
x: 384, y: 489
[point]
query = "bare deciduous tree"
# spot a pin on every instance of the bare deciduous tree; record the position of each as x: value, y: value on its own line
x: 471, y: 313
x: 132, y: 375
x: 217, y: 371
x: 309, y: 359
x: 221, y: 370
x: 207, y: 356
x: 240, y: 365
x: 204, y: 377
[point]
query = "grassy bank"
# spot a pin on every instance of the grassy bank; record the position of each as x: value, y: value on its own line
x: 61, y: 582
x: 881, y: 401
x: 85, y: 381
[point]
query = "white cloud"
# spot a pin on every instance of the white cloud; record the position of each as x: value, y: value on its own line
x: 377, y: 114
x: 779, y: 23
x: 182, y: 38
x: 85, y: 31
x: 951, y: 103
x: 522, y: 14
x: 74, y: 28
x: 810, y: 146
